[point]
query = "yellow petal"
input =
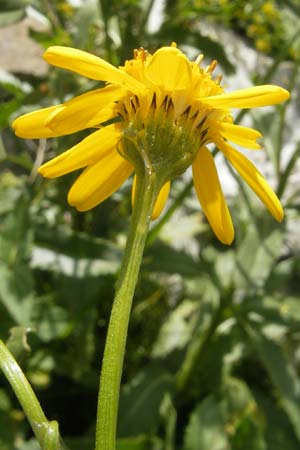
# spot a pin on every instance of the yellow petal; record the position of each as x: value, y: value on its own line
x: 32, y: 125
x: 103, y: 115
x: 90, y: 66
x: 254, y: 178
x: 160, y: 201
x: 169, y: 69
x: 211, y: 197
x: 240, y: 135
x: 248, y: 98
x: 88, y: 151
x: 80, y: 112
x: 98, y: 181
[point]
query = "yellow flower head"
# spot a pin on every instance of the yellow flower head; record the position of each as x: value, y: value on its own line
x: 169, y: 107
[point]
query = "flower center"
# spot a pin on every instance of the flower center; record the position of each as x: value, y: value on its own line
x: 154, y: 131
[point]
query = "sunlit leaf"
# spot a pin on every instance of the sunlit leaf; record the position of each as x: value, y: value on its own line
x: 258, y: 254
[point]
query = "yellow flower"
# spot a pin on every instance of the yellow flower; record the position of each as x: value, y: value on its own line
x: 263, y: 45
x: 168, y: 104
x: 269, y: 9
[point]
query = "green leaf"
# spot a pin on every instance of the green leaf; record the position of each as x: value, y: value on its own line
x: 139, y: 443
x: 77, y: 360
x: 169, y: 415
x: 281, y: 279
x: 16, y: 287
x: 209, y: 301
x: 177, y: 330
x: 277, y: 310
x: 79, y: 244
x: 12, y: 93
x: 15, y: 230
x: 225, y: 268
x: 248, y: 434
x: 140, y: 401
x: 268, y: 122
x: 258, y: 254
x: 50, y: 321
x: 205, y: 429
x: 278, y: 430
x: 163, y: 258
x: 220, y: 416
x: 85, y: 18
x: 16, y: 292
x: 17, y: 342
x: 281, y: 372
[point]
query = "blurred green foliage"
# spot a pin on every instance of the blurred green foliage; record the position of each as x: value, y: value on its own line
x: 213, y: 358
x: 266, y: 23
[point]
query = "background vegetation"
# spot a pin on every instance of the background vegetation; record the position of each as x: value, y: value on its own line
x: 213, y: 360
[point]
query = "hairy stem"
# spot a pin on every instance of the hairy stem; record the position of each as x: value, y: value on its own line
x: 110, y: 379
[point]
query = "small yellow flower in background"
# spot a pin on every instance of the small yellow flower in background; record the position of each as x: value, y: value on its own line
x: 270, y: 10
x: 170, y: 106
x: 263, y: 45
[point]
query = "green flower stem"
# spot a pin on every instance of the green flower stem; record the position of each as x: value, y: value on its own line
x: 193, y: 354
x: 46, y: 432
x: 287, y: 171
x: 112, y: 365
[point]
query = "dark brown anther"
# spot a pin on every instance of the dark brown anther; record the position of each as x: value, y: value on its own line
x: 194, y: 115
x: 200, y: 124
x: 203, y: 133
x: 170, y: 105
x: 165, y: 103
x: 186, y: 112
x: 133, y: 104
x: 153, y: 103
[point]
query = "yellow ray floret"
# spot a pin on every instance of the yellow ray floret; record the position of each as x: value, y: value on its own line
x: 75, y: 114
x: 211, y: 196
x: 90, y: 150
x: 254, y: 178
x: 99, y: 181
x: 164, y: 62
x: 90, y: 66
x: 246, y: 137
x: 166, y: 107
x: 32, y: 125
x: 249, y: 98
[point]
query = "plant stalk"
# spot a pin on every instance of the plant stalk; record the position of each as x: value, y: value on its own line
x: 46, y: 432
x: 112, y: 365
